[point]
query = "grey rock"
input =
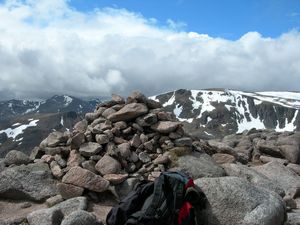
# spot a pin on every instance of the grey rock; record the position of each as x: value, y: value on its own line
x: 136, y: 141
x: 137, y: 96
x: 232, y: 200
x: 89, y: 165
x: 144, y: 157
x: 108, y: 165
x: 27, y: 182
x: 117, y: 98
x: 71, y: 205
x: 289, y: 146
x: 81, y: 217
x: 36, y: 153
x: 90, y: 148
x: 54, y: 139
x: 165, y: 127
x: 102, y: 139
x: 17, y: 158
x: 152, y: 104
x: 185, y: 141
x: 109, y: 134
x: 281, y: 175
x: 221, y: 158
x: 199, y: 165
x: 56, y: 170
x: 90, y: 117
x: 81, y: 126
x: 68, y: 191
x: 161, y: 159
x: 293, y: 218
x: 60, y: 161
x: 121, y: 125
x: 45, y: 217
x: 77, y: 140
x: 86, y: 179
x: 124, y: 150
x: 253, y: 177
x: 147, y: 120
x: 266, y: 159
x: 74, y: 159
x: 294, y: 167
x: 108, y: 112
x: 54, y: 200
x: 115, y: 179
x: 129, y: 112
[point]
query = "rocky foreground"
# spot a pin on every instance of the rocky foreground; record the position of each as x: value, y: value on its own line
x: 76, y: 177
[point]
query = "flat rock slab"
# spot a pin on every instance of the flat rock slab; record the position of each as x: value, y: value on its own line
x: 165, y: 127
x: 232, y: 200
x: 129, y: 112
x: 253, y: 177
x: 27, y: 182
x: 86, y: 179
x: 280, y: 174
x: 199, y: 165
x: 81, y: 217
x: 71, y: 205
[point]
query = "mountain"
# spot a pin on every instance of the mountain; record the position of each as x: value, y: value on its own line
x: 214, y: 113
x: 23, y: 123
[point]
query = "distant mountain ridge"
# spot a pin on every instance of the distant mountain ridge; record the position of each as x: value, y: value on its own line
x: 24, y: 123
x: 206, y: 114
x: 55, y: 104
x: 215, y: 113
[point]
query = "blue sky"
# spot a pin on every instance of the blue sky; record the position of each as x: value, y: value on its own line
x: 218, y: 18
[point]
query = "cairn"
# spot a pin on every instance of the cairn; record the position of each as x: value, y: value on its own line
x: 120, y: 141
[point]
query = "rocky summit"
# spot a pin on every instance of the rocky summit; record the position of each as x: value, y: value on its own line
x: 75, y: 177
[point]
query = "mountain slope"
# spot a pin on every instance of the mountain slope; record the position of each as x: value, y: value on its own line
x: 23, y: 124
x: 215, y: 113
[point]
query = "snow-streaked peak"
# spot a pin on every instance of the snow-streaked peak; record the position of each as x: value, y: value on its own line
x: 202, y: 103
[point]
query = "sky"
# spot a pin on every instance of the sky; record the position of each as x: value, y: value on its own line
x: 89, y: 48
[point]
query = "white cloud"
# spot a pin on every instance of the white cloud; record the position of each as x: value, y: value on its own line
x: 47, y: 47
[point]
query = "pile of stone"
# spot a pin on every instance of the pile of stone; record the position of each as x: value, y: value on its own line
x: 121, y: 140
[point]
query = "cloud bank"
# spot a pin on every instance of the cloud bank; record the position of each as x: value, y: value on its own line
x: 48, y: 47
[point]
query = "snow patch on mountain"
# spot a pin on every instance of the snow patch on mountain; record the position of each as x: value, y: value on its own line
x: 14, y: 132
x: 236, y: 102
x: 67, y: 100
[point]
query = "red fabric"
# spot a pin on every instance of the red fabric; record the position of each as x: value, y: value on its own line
x: 184, y: 212
x: 190, y: 183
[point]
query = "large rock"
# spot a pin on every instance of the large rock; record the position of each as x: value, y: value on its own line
x: 68, y: 191
x: 45, y: 217
x: 290, y: 147
x: 165, y: 127
x: 253, y: 177
x: 29, y: 182
x: 279, y: 174
x: 71, y: 205
x: 108, y: 165
x: 81, y: 217
x: 86, y: 179
x: 232, y: 200
x: 199, y: 165
x: 54, y: 139
x: 129, y: 112
x: 293, y: 219
x: 89, y: 149
x: 17, y: 158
